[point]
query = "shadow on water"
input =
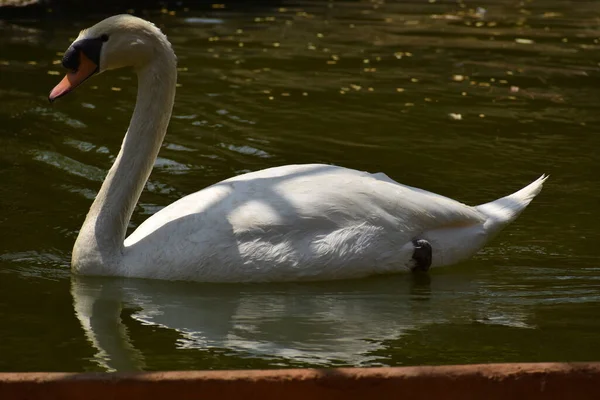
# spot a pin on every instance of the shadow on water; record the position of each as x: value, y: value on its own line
x: 58, y: 9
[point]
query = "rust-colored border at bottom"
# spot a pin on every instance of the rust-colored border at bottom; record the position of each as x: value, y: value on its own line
x: 579, y: 381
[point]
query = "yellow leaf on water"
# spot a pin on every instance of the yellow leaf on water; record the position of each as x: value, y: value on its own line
x: 524, y: 41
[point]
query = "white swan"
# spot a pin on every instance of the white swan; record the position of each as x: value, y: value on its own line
x: 296, y: 222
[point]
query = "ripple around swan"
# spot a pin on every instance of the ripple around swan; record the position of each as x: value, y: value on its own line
x: 314, y: 324
x: 69, y: 165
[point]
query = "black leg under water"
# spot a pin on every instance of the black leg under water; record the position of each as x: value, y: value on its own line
x: 421, y: 255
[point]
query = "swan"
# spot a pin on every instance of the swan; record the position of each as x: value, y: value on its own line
x: 287, y: 223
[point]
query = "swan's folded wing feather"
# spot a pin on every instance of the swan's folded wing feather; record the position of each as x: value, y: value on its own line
x: 313, y: 198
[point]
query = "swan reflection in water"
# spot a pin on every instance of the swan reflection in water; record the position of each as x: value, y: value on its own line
x: 320, y: 324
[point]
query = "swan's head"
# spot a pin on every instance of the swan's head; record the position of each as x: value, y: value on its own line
x: 116, y: 42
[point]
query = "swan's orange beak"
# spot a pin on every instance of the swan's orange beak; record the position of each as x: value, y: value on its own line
x: 73, y: 79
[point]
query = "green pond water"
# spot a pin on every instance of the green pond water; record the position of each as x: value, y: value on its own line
x: 471, y: 100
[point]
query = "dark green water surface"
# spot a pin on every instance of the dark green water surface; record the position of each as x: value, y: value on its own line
x: 471, y: 100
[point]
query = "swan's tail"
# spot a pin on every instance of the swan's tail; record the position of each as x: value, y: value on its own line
x: 503, y: 211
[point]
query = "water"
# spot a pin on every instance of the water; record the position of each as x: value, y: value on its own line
x: 470, y: 100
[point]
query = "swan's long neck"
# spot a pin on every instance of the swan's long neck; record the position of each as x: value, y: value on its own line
x: 99, y: 247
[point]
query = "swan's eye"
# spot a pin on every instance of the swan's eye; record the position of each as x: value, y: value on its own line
x: 104, y: 38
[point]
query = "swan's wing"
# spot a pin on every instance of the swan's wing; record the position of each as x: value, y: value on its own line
x: 444, y: 210
x: 316, y: 221
x: 313, y: 197
x: 380, y: 176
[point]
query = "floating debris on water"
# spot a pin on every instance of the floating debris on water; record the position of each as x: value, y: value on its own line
x: 524, y: 41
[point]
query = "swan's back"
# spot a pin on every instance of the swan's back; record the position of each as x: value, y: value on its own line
x: 293, y: 222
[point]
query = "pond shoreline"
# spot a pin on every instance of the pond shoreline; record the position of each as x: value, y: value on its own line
x: 495, y: 381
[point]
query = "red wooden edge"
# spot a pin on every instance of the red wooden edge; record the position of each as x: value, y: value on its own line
x: 486, y: 381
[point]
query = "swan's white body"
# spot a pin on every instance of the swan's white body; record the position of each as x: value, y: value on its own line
x: 305, y: 222
x: 297, y: 222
